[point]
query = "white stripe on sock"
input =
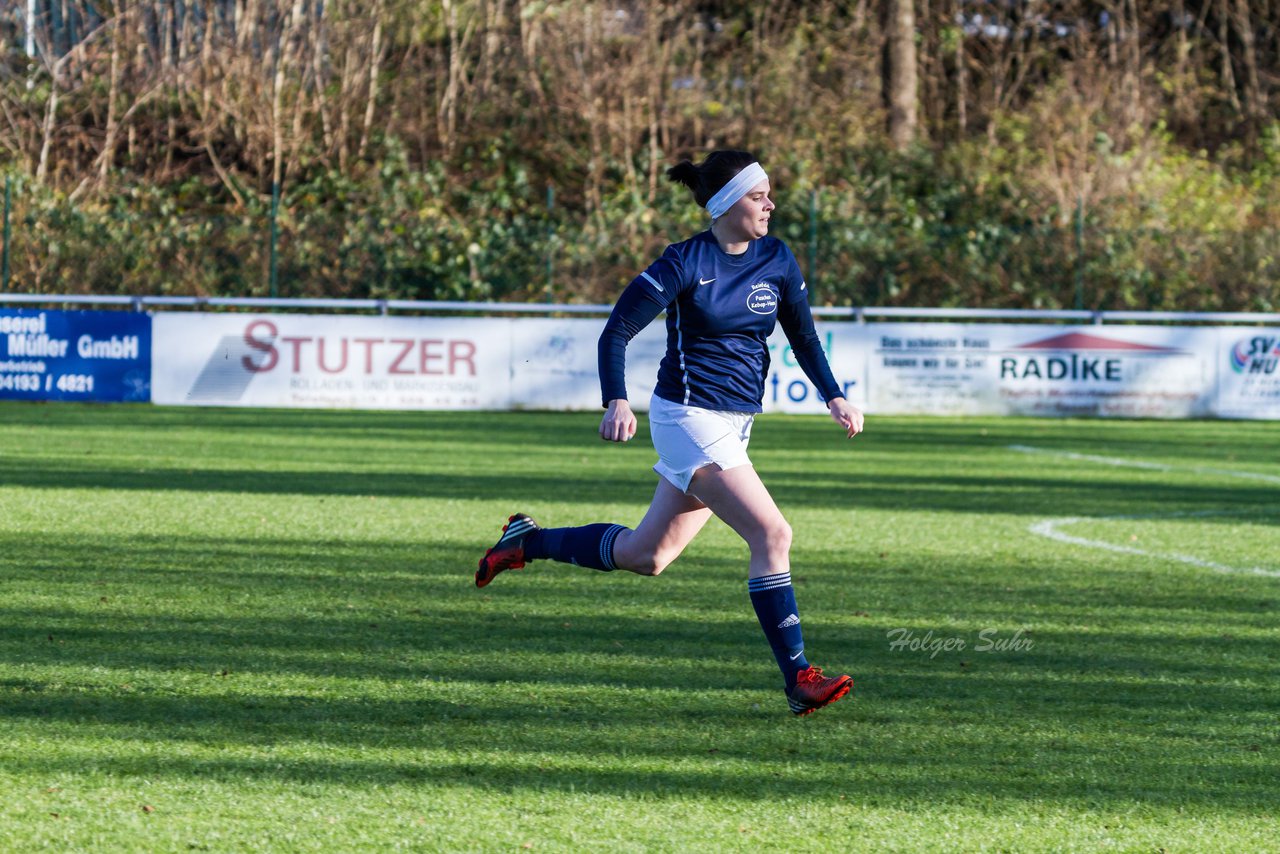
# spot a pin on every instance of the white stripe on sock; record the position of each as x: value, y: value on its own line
x: 606, y: 546
x: 768, y: 582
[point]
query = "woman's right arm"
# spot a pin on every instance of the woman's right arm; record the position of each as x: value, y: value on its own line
x: 619, y: 422
x: 642, y: 301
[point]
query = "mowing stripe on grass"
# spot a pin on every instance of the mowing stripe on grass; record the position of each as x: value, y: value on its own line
x: 1142, y: 464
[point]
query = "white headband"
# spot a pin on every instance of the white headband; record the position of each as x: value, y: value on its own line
x: 739, y: 185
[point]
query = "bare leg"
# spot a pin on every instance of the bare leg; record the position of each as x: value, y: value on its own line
x: 740, y: 498
x: 672, y: 521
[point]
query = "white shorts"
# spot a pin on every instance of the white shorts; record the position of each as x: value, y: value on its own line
x: 689, y: 437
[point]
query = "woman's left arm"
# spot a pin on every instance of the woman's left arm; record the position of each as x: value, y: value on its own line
x: 846, y: 415
x: 797, y: 322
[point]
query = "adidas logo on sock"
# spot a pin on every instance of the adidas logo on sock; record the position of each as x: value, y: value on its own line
x: 793, y: 620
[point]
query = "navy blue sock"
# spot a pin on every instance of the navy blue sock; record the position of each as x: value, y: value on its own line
x: 590, y: 545
x: 775, y: 603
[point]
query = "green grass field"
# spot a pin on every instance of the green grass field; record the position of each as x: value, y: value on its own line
x: 257, y: 630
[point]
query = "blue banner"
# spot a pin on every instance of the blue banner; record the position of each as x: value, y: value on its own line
x: 75, y: 355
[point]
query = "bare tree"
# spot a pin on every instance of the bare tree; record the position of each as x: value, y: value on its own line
x: 900, y: 77
x: 1242, y: 22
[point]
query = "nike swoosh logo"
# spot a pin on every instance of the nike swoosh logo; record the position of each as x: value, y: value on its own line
x: 797, y: 655
x: 703, y: 281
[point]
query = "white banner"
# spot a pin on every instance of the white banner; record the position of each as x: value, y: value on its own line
x: 553, y: 363
x: 546, y: 363
x: 789, y: 390
x: 330, y: 361
x: 997, y: 369
x: 1248, y: 373
x: 554, y: 366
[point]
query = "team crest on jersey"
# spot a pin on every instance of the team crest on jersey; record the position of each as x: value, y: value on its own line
x: 762, y: 299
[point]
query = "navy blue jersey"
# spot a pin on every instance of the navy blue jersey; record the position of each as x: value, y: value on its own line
x: 721, y: 309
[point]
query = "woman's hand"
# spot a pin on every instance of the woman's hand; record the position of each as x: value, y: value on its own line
x: 846, y: 415
x: 619, y: 422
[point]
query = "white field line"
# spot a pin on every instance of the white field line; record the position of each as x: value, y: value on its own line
x: 1142, y: 464
x: 1049, y: 527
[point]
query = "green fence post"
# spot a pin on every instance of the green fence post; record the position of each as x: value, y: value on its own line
x: 551, y: 239
x: 1080, y: 252
x: 275, y: 237
x: 4, y: 264
x: 813, y: 242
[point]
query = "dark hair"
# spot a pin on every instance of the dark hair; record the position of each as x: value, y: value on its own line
x: 707, y: 177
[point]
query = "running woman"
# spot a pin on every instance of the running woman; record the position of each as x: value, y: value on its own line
x: 723, y: 290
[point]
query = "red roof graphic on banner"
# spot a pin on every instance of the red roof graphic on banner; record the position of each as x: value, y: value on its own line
x: 1082, y: 341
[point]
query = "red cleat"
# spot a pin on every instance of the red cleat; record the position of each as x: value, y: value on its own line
x: 813, y: 690
x: 508, y: 552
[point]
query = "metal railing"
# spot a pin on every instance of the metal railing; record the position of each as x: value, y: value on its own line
x: 856, y: 314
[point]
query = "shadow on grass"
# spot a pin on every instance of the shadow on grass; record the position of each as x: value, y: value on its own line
x: 541, y: 429
x: 616, y: 684
x: 569, y: 683
x: 1238, y: 443
x: 413, y: 455
x: 1041, y: 495
x: 559, y: 751
x: 935, y: 745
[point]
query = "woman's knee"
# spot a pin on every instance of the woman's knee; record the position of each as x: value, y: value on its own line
x: 640, y: 559
x: 774, y: 538
x: 651, y: 564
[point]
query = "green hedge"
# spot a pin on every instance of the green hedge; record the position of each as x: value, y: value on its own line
x: 883, y: 229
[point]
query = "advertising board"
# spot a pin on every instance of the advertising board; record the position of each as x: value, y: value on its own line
x: 1248, y: 373
x: 331, y: 361
x: 75, y: 355
x: 1024, y: 369
x: 399, y: 362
